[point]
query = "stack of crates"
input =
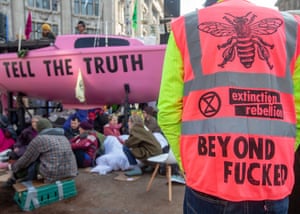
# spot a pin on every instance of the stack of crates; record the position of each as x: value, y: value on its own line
x: 34, y: 196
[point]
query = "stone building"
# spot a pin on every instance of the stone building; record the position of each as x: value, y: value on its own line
x: 111, y: 17
x: 284, y: 5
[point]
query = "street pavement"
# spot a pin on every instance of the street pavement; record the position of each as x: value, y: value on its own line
x: 103, y: 194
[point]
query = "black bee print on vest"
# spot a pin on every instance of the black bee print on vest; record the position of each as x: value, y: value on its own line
x: 244, y: 38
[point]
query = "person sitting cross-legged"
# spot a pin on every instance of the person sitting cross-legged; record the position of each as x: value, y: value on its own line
x: 141, y: 144
x: 49, y: 154
x: 85, y: 145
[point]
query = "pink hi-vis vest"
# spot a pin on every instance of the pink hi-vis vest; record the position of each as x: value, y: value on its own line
x: 238, y: 122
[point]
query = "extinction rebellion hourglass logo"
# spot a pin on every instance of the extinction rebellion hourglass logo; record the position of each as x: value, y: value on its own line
x: 209, y: 104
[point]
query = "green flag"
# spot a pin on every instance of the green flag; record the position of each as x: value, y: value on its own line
x: 134, y: 15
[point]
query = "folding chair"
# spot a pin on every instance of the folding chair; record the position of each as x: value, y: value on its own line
x: 168, y: 159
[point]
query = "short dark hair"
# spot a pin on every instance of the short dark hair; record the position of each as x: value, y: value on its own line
x: 75, y: 118
x: 81, y: 23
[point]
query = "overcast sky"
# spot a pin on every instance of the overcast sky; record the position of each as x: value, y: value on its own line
x: 189, y: 5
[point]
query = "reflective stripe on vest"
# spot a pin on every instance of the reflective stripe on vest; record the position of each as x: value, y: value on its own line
x: 202, y: 82
x: 249, y: 80
x: 243, y: 115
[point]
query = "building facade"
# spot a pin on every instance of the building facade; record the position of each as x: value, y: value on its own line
x: 284, y: 5
x: 108, y: 17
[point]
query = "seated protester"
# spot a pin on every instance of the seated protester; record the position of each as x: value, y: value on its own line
x: 49, y: 154
x: 151, y: 123
x: 33, y: 127
x: 81, y: 114
x: 112, y: 128
x: 141, y: 144
x: 24, y: 139
x: 85, y: 145
x: 7, y: 134
x: 149, y: 120
x: 101, y: 138
x: 100, y: 121
x: 21, y: 144
x: 73, y: 129
x: 113, y: 159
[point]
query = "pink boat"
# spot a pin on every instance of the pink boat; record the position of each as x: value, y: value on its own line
x: 104, y: 68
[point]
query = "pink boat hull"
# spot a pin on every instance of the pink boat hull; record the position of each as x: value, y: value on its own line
x: 51, y: 73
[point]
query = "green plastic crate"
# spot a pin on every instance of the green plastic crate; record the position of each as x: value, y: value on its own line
x: 35, y: 197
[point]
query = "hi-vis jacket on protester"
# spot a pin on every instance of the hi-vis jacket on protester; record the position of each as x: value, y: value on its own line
x: 227, y: 100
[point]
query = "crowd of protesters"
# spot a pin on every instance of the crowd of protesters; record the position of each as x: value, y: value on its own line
x: 85, y: 139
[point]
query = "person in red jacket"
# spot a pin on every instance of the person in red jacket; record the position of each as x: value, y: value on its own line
x: 112, y: 128
x: 85, y: 145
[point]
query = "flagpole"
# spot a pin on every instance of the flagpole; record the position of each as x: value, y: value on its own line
x: 20, y: 38
x: 106, y: 34
x: 98, y: 22
x: 7, y: 29
x: 128, y: 26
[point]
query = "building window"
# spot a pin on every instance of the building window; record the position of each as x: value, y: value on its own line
x: 86, y: 7
x: 297, y: 5
x: 121, y: 15
x: 43, y: 4
x: 100, y: 42
x: 3, y: 28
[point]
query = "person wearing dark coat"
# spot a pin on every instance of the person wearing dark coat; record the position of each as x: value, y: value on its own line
x: 73, y: 130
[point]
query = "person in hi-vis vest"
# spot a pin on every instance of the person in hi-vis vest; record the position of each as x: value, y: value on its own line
x: 229, y: 105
